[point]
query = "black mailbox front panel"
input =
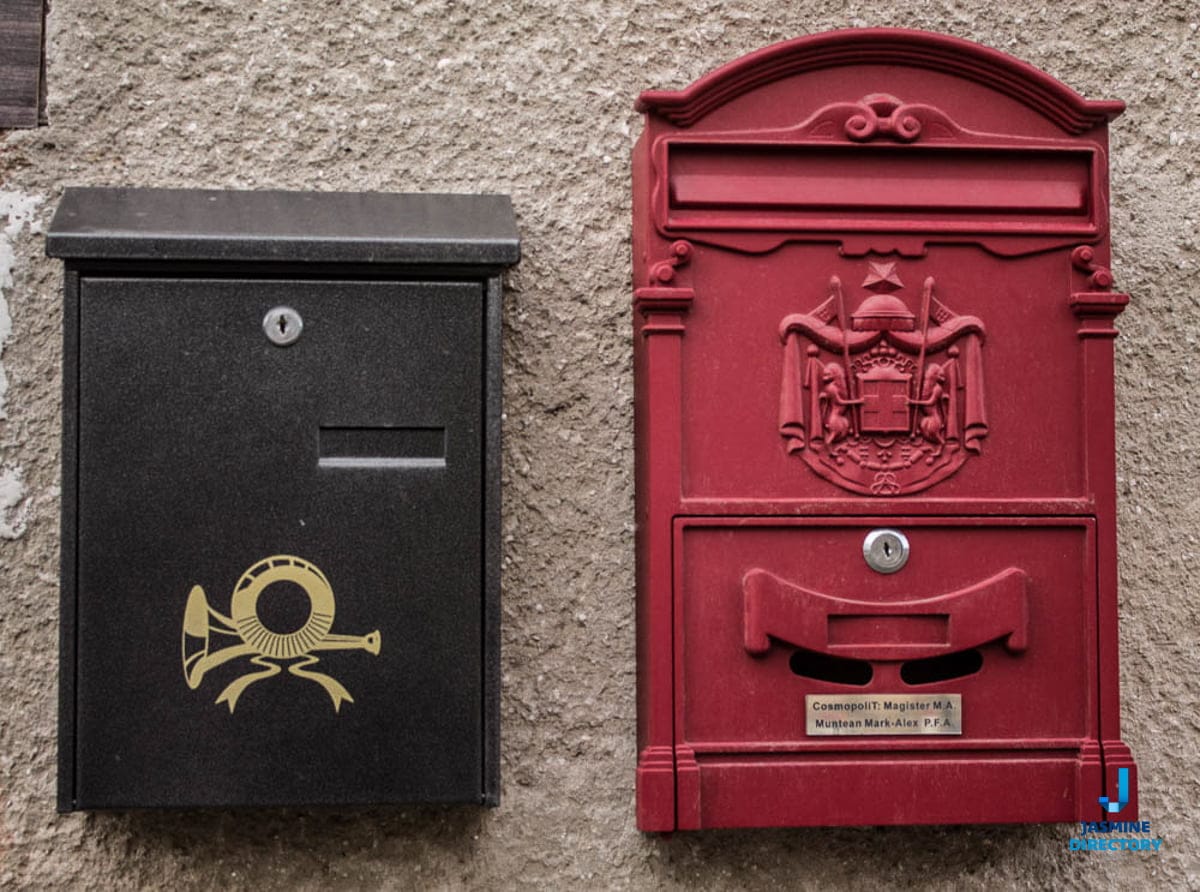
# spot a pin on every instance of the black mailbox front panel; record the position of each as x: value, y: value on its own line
x: 279, y: 552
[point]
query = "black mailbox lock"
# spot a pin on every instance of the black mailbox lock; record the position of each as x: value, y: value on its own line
x: 283, y: 326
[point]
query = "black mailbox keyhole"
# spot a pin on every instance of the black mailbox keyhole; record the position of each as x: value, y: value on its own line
x: 887, y: 548
x: 282, y: 326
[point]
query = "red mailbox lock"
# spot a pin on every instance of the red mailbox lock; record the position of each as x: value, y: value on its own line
x: 876, y: 500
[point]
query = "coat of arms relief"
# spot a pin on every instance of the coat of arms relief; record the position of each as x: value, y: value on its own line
x: 883, y: 401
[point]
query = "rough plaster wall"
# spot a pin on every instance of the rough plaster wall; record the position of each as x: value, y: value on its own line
x: 534, y: 98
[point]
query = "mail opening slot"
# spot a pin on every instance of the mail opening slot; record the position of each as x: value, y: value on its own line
x: 280, y: 572
x: 873, y: 323
x: 382, y: 447
x: 990, y: 183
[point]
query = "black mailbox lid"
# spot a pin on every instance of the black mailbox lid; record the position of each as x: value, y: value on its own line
x: 282, y: 226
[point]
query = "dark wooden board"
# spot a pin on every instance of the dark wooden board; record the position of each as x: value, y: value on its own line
x: 22, y: 70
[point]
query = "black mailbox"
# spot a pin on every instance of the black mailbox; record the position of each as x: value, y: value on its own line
x: 281, y: 497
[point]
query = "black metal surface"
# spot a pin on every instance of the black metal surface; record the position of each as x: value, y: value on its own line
x: 493, y: 386
x: 67, y: 548
x: 194, y: 448
x: 297, y: 227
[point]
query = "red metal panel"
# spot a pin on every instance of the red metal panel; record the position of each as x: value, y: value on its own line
x: 871, y: 290
x: 1007, y: 587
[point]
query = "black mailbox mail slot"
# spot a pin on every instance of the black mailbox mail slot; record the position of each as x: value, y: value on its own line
x: 281, y: 497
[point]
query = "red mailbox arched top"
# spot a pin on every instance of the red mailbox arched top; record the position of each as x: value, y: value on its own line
x: 883, y: 46
x: 852, y: 135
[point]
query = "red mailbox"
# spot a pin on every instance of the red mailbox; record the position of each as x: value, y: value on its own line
x: 877, y: 570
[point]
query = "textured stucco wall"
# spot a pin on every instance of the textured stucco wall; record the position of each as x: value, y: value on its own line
x: 534, y: 98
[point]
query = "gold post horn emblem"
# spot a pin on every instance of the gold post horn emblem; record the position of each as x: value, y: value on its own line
x: 263, y: 646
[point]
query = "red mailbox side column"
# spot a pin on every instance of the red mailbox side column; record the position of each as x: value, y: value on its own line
x: 1097, y: 309
x: 663, y: 310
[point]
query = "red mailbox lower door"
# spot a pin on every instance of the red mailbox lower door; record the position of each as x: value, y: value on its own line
x: 806, y: 687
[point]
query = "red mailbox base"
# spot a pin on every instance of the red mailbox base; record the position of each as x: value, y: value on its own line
x: 1035, y: 786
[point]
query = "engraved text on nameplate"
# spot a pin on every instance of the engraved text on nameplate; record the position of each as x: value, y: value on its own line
x: 833, y: 715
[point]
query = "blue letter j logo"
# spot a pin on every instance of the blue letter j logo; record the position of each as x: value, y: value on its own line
x: 1122, y: 793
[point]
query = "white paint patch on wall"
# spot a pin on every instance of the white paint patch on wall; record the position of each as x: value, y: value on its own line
x: 14, y: 506
x: 16, y: 212
x: 18, y: 208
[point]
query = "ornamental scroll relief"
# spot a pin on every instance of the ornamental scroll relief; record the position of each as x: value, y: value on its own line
x: 882, y: 401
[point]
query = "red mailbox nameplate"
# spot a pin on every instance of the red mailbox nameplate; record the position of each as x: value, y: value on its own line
x: 872, y: 293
